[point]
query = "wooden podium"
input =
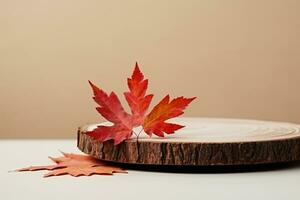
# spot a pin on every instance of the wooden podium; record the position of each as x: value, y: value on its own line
x: 203, y: 142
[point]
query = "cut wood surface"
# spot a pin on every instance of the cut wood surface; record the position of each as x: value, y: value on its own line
x: 204, y: 141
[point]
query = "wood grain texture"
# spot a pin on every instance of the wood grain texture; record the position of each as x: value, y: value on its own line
x: 204, y: 142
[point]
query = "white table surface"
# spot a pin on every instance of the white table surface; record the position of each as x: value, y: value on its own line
x: 276, y: 184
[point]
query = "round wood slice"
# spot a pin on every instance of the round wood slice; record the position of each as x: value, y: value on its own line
x: 203, y: 142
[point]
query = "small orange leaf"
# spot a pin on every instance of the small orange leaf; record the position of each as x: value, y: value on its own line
x: 76, y: 165
x: 85, y: 171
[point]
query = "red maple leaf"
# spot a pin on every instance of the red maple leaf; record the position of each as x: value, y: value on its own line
x: 123, y: 123
x: 137, y: 99
x: 111, y: 109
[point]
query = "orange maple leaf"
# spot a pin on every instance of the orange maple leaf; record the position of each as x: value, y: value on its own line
x: 138, y: 101
x: 76, y: 165
x: 164, y: 110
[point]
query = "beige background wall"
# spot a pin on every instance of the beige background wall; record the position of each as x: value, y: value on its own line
x: 240, y: 58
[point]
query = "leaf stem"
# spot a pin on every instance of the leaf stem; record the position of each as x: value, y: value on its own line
x: 135, y: 133
x: 137, y: 137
